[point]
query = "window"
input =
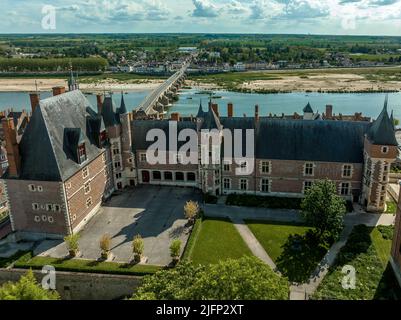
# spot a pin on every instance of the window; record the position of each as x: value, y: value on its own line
x: 50, y: 219
x: 88, y: 202
x: 40, y: 189
x: 307, y: 185
x: 265, y: 168
x: 143, y: 157
x: 116, y: 151
x: 87, y: 188
x: 347, y: 171
x: 226, y: 167
x: 68, y: 185
x: 191, y: 176
x: 44, y: 218
x: 243, y: 167
x: 345, y: 189
x: 385, y: 168
x: 384, y: 150
x: 179, y: 176
x: 85, y: 172
x: 384, y: 178
x: 37, y: 219
x: 156, y: 175
x: 32, y: 188
x: 264, y: 187
x: 35, y: 206
x: 244, y: 184
x: 117, y: 164
x: 118, y: 176
x: 308, y: 169
x: 227, y: 183
x: 56, y: 208
x: 168, y: 176
x: 81, y: 153
x: 49, y: 207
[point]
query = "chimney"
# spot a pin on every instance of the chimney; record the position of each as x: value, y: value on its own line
x: 99, y: 99
x: 35, y: 98
x: 257, y: 113
x: 175, y: 116
x: 58, y: 90
x: 215, y: 108
x: 13, y: 156
x: 230, y: 110
x: 329, y: 111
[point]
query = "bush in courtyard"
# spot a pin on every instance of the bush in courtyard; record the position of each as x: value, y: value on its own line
x: 105, y: 246
x: 208, y: 198
x: 191, y: 210
x: 263, y: 201
x: 26, y: 288
x: 247, y: 278
x: 72, y: 244
x: 138, y: 248
x: 324, y: 209
x: 387, y: 232
x: 175, y: 250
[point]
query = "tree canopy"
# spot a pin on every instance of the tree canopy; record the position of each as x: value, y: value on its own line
x: 324, y: 209
x: 26, y: 288
x: 242, y: 279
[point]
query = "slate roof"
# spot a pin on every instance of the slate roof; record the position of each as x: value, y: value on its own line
x: 308, y: 108
x: 210, y: 120
x: 140, y: 128
x: 110, y: 115
x: 382, y: 130
x: 56, y: 126
x: 123, y: 108
x: 200, y: 113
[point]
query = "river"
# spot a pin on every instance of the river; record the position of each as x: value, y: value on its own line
x: 370, y: 104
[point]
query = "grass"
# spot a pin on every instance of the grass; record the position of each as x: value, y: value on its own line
x: 293, y: 247
x: 391, y: 207
x: 27, y: 261
x: 368, y: 251
x: 217, y: 240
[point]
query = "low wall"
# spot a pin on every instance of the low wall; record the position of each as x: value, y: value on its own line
x: 83, y: 286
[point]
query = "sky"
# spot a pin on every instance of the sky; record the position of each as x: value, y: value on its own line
x: 360, y: 17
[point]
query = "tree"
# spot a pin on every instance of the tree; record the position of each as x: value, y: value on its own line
x: 105, y: 244
x: 191, y: 210
x: 247, y: 278
x: 72, y: 244
x: 138, y: 248
x: 175, y: 249
x: 26, y: 288
x: 324, y: 209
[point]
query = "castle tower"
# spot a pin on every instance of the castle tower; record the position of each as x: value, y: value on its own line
x: 209, y: 152
x: 380, y: 151
x: 128, y: 161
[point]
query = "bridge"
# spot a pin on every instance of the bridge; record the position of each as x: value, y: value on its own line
x: 153, y: 107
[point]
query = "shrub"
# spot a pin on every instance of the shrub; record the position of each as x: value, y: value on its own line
x: 263, y: 201
x: 26, y: 288
x: 175, y: 249
x: 387, y: 232
x: 72, y: 243
x: 208, y: 198
x: 138, y: 248
x: 191, y: 210
x: 105, y: 245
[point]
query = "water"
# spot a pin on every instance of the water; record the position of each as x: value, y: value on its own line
x: 370, y: 104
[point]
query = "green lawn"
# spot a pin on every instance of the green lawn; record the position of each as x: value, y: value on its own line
x: 216, y: 240
x: 391, y: 207
x: 26, y: 261
x: 295, y: 251
x: 367, y: 250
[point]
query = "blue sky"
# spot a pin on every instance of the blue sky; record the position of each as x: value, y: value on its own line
x: 373, y: 17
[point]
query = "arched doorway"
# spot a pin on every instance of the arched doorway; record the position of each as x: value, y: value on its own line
x: 145, y: 177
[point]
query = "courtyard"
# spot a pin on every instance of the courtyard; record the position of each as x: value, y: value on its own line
x: 154, y: 212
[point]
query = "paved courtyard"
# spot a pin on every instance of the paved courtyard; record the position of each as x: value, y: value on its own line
x: 156, y: 213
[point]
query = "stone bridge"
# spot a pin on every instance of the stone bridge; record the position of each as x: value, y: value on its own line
x: 154, y: 106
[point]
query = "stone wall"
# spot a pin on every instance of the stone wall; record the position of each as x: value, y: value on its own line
x: 83, y: 286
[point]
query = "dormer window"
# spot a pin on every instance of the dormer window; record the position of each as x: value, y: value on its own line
x: 103, y: 137
x: 384, y: 150
x: 82, y: 153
